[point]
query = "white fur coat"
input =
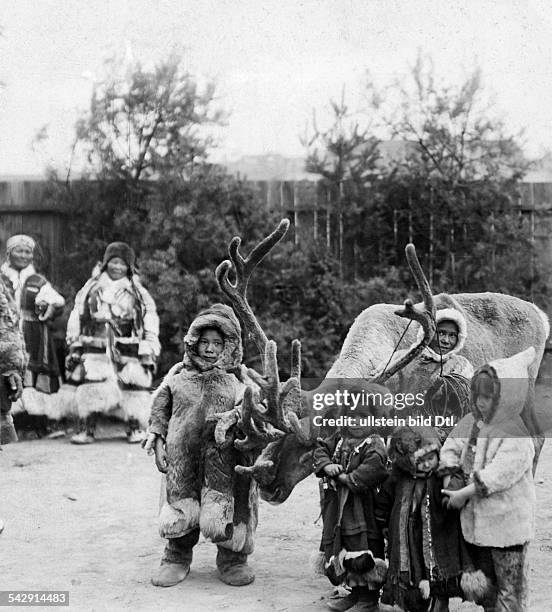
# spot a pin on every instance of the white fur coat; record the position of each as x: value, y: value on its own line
x: 503, y: 512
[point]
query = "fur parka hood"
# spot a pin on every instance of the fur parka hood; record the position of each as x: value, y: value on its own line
x: 510, y: 383
x: 447, y: 314
x: 408, y: 444
x: 223, y: 319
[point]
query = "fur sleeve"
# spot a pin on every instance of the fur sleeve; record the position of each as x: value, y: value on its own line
x: 48, y: 295
x: 453, y: 447
x: 74, y: 322
x: 322, y: 456
x: 461, y: 366
x: 151, y: 320
x: 512, y: 460
x: 385, y: 500
x: 371, y: 472
x: 73, y: 327
x: 13, y: 357
x: 451, y: 452
x: 161, y: 411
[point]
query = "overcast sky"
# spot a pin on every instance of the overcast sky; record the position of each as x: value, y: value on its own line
x: 274, y: 60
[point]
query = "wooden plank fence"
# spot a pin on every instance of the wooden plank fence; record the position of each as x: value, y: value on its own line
x: 27, y: 207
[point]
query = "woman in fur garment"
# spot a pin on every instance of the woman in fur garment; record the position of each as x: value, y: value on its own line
x: 13, y: 359
x: 352, y: 467
x: 39, y: 305
x: 113, y: 339
x: 495, y: 451
x: 204, y: 493
x: 427, y: 554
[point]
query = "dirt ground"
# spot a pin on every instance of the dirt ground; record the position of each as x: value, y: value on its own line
x: 83, y: 520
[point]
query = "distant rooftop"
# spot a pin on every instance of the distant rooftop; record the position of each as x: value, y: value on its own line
x: 277, y: 167
x: 17, y: 178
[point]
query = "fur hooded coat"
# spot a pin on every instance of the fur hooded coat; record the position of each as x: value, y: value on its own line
x: 13, y: 357
x: 422, y: 373
x: 497, y: 455
x: 203, y: 489
x: 425, y: 541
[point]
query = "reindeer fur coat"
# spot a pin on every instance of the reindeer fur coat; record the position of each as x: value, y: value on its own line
x: 500, y: 465
x: 203, y: 489
x: 13, y: 357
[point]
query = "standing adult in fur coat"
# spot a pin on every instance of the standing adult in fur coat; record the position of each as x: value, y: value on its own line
x: 113, y: 339
x: 494, y: 449
x: 39, y: 305
x: 204, y: 493
x: 13, y: 359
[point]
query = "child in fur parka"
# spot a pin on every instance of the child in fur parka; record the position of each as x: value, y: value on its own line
x: 495, y: 451
x: 427, y: 554
x: 352, y: 467
x: 204, y: 493
x: 437, y: 363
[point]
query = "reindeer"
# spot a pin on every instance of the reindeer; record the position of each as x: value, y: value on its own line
x: 498, y: 326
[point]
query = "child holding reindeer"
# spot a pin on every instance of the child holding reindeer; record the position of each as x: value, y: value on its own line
x: 352, y: 466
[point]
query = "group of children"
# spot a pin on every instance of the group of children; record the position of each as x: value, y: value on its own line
x: 407, y: 524
x: 456, y: 517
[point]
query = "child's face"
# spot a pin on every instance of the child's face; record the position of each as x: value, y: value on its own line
x: 446, y: 337
x: 484, y: 403
x: 210, y: 345
x: 354, y: 429
x: 428, y: 462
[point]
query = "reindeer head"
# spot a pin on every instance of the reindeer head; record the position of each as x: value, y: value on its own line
x: 277, y: 421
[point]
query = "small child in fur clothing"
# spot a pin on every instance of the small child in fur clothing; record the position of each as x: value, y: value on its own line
x: 425, y: 548
x: 352, y: 466
x: 204, y: 493
x: 495, y: 451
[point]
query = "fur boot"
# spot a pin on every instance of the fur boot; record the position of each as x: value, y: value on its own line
x: 7, y: 430
x: 233, y: 568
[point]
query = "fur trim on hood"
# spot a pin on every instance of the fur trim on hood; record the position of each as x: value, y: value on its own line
x: 447, y: 314
x: 510, y: 382
x: 124, y: 252
x: 407, y: 444
x: 223, y: 319
x: 428, y: 447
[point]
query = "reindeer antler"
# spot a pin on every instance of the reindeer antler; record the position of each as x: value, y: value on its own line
x: 272, y: 416
x: 236, y: 292
x: 425, y: 316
